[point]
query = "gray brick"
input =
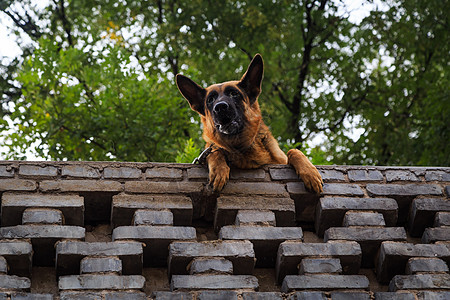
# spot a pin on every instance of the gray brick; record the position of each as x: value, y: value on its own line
x: 211, y: 265
x: 160, y: 295
x: 290, y: 254
x: 124, y: 207
x: 217, y: 295
x: 425, y: 265
x: 42, y: 216
x: 164, y: 173
x: 42, y: 232
x: 437, y: 176
x: 31, y: 296
x: 447, y: 190
x: 80, y: 171
x: 197, y: 173
x: 320, y: 265
x: 213, y: 282
x: 70, y: 253
x: 442, y: 219
x: 101, y: 282
x: 6, y: 171
x: 343, y: 189
x: 307, y: 296
x: 18, y: 255
x: 375, y: 190
x: 76, y: 295
x: 240, y: 253
x: 125, y: 295
x: 364, y: 175
x: 331, y: 210
x: 432, y: 235
x: 265, y: 240
x: 400, y: 175
x: 248, y: 174
x: 13, y: 206
x: 350, y: 296
x: 394, y: 296
x: 255, y: 217
x: 157, y: 239
x: 80, y: 186
x: 305, y: 201
x: 262, y: 296
x: 17, y: 185
x: 43, y: 238
x: 227, y: 208
x: 423, y: 212
x: 12, y: 282
x: 393, y: 257
x: 30, y: 170
x: 3, y: 265
x: 357, y: 218
x: 255, y: 188
x: 286, y: 173
x: 164, y: 187
x: 429, y: 295
x: 420, y: 282
x: 370, y: 239
x: 3, y: 296
x: 329, y: 175
x: 121, y: 172
x: 296, y: 188
x: 101, y: 265
x: 152, y: 217
x: 323, y: 282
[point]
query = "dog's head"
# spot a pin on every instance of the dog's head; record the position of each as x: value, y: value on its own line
x: 225, y: 104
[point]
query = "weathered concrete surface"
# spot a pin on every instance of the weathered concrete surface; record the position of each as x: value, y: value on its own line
x: 213, y: 282
x: 156, y: 240
x: 324, y: 282
x: 124, y: 207
x: 420, y: 193
x: 70, y: 253
x: 265, y: 239
x: 290, y: 254
x: 228, y: 207
x: 13, y: 206
x: 240, y: 253
x: 101, y: 282
x: 211, y: 265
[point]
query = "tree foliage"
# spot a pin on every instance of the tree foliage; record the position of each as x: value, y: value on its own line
x: 97, y: 84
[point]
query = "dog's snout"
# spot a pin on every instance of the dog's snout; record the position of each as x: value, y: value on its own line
x: 221, y: 106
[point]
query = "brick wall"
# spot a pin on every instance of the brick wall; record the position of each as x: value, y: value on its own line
x: 109, y: 230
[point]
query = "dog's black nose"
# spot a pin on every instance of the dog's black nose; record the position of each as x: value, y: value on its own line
x: 221, y: 107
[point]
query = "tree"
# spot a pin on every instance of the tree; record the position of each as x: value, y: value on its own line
x: 102, y: 76
x: 405, y: 115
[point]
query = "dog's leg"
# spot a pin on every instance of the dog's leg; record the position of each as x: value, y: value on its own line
x: 219, y: 171
x: 306, y: 170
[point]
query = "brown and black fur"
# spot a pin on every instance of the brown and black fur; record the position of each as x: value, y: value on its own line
x: 232, y: 123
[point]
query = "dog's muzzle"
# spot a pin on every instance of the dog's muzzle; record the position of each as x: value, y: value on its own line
x: 225, y: 118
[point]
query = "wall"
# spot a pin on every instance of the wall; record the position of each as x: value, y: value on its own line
x: 110, y: 230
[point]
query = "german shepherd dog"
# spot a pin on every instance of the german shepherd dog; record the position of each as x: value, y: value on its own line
x: 234, y: 131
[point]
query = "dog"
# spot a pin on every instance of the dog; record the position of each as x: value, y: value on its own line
x: 234, y: 131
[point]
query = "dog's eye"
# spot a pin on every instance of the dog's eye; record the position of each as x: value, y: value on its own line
x: 234, y: 94
x: 211, y: 98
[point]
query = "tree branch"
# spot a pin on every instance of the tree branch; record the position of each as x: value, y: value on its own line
x: 27, y: 25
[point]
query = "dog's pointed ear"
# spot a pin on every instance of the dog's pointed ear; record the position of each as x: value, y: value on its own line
x: 251, y: 81
x: 193, y: 93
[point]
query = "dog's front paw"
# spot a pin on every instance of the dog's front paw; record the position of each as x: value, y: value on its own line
x: 306, y: 170
x: 312, y: 180
x: 218, y: 177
